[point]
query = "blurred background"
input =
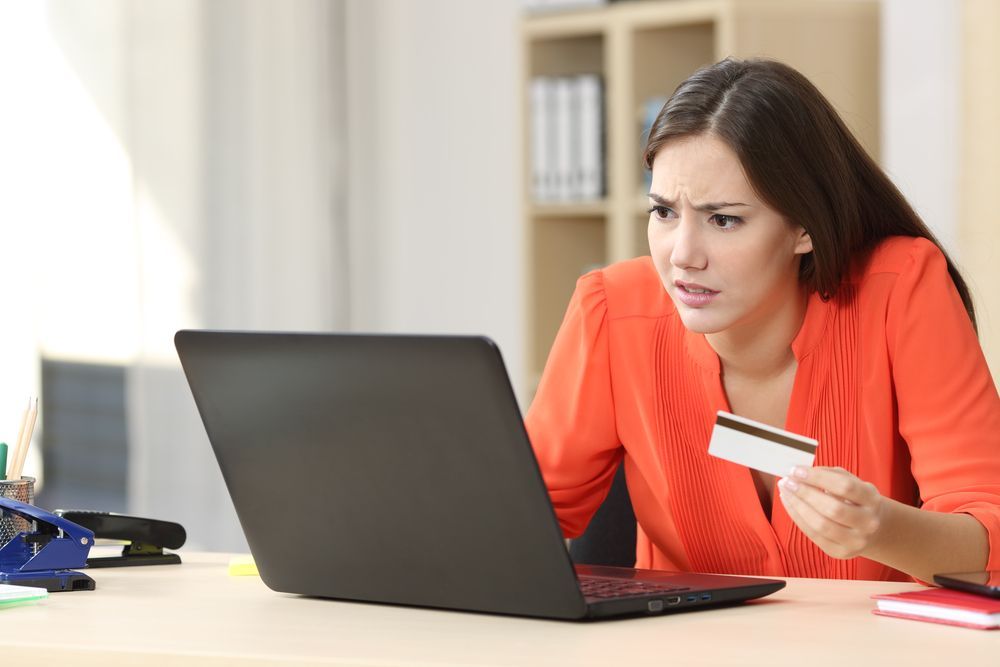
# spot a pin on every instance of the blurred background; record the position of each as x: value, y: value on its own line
x: 344, y: 165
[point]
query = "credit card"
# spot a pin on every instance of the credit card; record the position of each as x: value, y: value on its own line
x: 760, y: 446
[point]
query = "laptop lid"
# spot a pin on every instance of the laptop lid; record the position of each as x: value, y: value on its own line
x: 382, y: 468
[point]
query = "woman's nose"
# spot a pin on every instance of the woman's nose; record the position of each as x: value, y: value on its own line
x: 687, y: 252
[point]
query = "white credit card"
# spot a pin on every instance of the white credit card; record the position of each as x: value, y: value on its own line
x: 759, y: 446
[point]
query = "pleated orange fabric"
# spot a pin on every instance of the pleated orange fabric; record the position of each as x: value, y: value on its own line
x: 891, y: 381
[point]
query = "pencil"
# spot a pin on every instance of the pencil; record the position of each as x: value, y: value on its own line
x: 22, y: 448
x: 17, y: 443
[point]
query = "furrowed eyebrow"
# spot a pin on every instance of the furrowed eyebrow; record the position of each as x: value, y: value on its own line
x: 708, y: 206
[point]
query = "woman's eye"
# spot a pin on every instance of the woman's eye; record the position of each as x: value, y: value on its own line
x: 726, y: 222
x: 661, y: 212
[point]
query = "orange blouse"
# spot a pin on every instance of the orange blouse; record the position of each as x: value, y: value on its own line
x: 891, y: 381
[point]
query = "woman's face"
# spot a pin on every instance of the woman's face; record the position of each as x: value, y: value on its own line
x: 728, y: 261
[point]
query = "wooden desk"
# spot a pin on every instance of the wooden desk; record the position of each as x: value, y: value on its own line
x: 195, y: 614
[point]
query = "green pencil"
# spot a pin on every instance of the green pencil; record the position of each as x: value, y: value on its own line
x: 3, y: 460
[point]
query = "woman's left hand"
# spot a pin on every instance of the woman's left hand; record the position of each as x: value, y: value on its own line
x: 842, y: 514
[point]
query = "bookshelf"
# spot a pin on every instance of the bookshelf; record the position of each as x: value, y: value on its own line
x: 643, y: 50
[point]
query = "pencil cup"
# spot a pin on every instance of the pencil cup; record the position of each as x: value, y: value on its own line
x: 19, y: 489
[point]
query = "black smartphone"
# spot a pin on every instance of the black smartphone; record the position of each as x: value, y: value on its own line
x: 984, y: 583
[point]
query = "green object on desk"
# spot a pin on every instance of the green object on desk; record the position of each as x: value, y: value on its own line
x: 3, y: 460
x: 11, y: 596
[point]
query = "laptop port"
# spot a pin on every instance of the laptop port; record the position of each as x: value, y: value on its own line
x: 692, y: 598
x: 706, y: 596
x: 674, y: 599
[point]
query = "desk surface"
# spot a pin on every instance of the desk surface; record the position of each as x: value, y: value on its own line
x: 195, y: 614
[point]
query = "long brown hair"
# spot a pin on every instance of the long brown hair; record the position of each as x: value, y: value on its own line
x: 801, y: 160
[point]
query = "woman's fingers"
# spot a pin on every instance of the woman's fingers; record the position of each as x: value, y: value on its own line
x: 835, y: 509
x: 838, y: 482
x: 854, y: 516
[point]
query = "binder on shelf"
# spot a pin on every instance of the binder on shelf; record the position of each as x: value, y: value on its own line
x: 567, y: 138
x: 563, y: 127
x: 541, y: 169
x: 591, y: 137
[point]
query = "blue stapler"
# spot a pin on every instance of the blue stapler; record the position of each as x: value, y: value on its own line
x: 46, y: 557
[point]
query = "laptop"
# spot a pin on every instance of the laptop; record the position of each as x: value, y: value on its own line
x: 396, y: 469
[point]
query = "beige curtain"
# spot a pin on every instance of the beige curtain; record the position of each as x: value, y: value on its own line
x: 236, y: 132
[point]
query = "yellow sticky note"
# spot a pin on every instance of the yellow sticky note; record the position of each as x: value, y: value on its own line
x: 243, y: 566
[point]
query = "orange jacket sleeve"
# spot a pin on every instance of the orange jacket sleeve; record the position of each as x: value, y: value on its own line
x: 949, y: 411
x: 571, y: 421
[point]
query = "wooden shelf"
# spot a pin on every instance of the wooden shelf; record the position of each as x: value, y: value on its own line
x: 569, y: 210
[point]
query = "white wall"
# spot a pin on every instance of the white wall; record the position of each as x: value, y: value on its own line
x: 236, y: 140
x: 68, y: 287
x: 921, y: 106
x: 434, y: 133
x: 310, y: 164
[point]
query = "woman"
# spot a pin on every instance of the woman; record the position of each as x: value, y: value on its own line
x: 791, y: 283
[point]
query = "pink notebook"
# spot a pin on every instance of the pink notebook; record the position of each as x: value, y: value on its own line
x: 942, y: 605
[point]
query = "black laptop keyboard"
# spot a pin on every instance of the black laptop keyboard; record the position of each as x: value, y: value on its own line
x: 609, y: 587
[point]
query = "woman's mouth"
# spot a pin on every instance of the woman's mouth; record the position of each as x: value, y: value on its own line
x: 694, y: 295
